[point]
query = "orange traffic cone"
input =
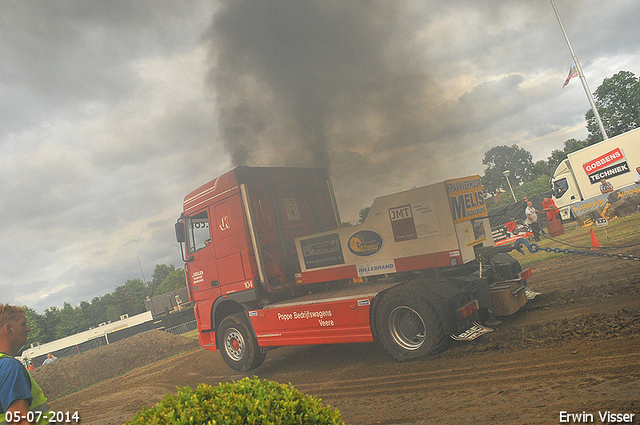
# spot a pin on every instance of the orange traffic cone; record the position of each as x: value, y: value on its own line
x: 594, y: 242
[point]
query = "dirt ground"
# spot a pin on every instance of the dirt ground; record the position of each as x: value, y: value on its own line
x: 574, y: 349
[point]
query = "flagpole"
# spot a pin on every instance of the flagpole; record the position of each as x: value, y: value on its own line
x: 581, y: 75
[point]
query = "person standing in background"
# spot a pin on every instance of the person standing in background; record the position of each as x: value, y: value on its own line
x: 532, y: 220
x: 50, y: 359
x: 549, y: 206
x: 605, y: 186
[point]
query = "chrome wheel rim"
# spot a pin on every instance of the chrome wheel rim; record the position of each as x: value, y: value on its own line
x: 407, y: 328
x: 234, y: 344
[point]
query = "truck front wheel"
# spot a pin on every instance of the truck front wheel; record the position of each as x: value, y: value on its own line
x: 238, y: 346
x: 407, y: 325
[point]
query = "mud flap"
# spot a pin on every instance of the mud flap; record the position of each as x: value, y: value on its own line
x: 472, y: 333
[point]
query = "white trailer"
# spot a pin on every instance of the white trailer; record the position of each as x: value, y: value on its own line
x: 577, y: 180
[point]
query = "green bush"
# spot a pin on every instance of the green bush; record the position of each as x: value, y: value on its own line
x: 247, y: 401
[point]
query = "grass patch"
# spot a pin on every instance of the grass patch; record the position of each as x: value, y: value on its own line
x: 191, y: 334
x: 620, y: 233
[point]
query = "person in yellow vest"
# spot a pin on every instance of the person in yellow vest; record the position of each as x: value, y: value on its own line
x: 19, y: 393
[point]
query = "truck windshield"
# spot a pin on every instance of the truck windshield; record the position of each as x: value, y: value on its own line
x: 198, y: 235
x: 560, y: 187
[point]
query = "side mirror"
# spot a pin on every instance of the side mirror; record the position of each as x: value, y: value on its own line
x: 180, y: 236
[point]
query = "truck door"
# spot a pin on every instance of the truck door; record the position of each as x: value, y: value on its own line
x: 203, y: 273
x: 228, y: 234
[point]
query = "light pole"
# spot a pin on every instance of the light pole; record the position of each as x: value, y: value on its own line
x: 506, y: 174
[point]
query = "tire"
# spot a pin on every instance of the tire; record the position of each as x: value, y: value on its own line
x: 408, y: 327
x: 238, y: 345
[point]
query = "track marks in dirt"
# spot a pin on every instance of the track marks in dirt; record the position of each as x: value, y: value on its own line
x: 487, y: 374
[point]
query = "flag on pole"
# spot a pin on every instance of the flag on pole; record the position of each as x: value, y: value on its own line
x: 573, y: 72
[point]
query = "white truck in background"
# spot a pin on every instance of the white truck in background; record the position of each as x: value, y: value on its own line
x: 577, y: 180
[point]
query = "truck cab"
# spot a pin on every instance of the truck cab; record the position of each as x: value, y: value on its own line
x: 268, y: 264
x: 238, y: 233
x: 565, y: 189
x: 576, y: 181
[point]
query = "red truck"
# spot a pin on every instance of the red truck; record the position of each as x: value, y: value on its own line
x: 268, y: 264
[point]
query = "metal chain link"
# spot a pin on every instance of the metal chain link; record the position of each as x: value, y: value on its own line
x: 533, y: 248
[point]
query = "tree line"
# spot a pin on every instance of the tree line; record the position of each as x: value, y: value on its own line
x: 56, y: 323
x: 618, y: 103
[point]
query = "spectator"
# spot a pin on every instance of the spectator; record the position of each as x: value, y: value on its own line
x: 532, y: 220
x: 50, y: 359
x: 549, y: 206
x: 605, y: 187
x: 19, y: 393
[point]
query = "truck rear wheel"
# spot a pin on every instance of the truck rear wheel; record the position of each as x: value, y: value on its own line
x: 238, y: 346
x: 407, y: 325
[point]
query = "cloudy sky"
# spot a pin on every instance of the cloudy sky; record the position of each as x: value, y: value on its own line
x: 112, y: 111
